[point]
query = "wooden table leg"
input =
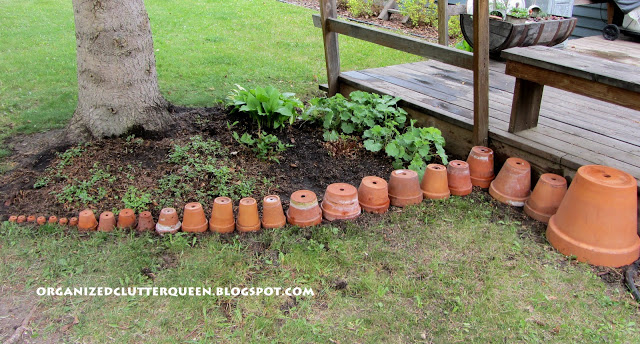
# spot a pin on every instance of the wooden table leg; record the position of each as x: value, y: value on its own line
x: 527, y: 97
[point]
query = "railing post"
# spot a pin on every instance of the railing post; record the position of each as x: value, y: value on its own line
x: 481, y: 72
x: 328, y: 9
x: 443, y: 23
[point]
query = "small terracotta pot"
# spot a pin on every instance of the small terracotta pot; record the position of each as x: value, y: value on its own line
x: 222, y: 220
x: 546, y: 197
x: 340, y: 202
x: 126, y: 218
x: 597, y: 220
x: 53, y: 219
x: 13, y: 218
x: 193, y: 219
x: 41, y: 220
x: 168, y: 222
x: 248, y: 218
x: 373, y: 195
x: 145, y: 222
x: 63, y: 221
x: 459, y: 178
x: 480, y: 162
x: 21, y: 219
x: 404, y: 188
x: 87, y: 221
x: 272, y: 213
x: 303, y: 209
x: 73, y: 222
x: 31, y: 218
x: 512, y: 186
x: 435, y: 184
x: 107, y: 222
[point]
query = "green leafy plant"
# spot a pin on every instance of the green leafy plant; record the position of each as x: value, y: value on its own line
x: 519, y: 12
x: 420, y: 12
x: 416, y: 146
x: 463, y: 45
x: 362, y: 8
x: 85, y: 192
x: 266, y: 146
x: 137, y: 200
x: 266, y: 106
x: 362, y: 112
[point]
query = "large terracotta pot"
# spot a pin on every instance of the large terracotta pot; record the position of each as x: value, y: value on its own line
x: 340, y: 202
x: 248, y: 218
x: 597, y: 220
x: 459, y: 178
x: 404, y: 188
x: 193, y: 219
x: 272, y: 213
x: 512, y: 186
x: 373, y: 195
x: 480, y: 162
x: 546, y: 197
x: 222, y: 220
x: 303, y: 209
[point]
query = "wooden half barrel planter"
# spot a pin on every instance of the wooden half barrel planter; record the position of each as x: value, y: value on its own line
x: 505, y: 35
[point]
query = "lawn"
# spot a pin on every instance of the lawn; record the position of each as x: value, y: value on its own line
x: 460, y: 270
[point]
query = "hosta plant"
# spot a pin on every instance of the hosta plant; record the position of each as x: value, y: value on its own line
x: 265, y: 105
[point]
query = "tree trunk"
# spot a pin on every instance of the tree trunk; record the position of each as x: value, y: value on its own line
x: 117, y: 80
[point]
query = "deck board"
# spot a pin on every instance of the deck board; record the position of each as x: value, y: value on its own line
x: 572, y: 129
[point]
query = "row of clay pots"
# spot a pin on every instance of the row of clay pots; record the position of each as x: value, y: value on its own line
x: 107, y: 221
x: 41, y: 220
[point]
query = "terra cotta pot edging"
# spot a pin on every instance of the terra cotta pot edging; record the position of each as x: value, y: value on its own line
x: 512, y: 186
x: 303, y: 209
x: 340, y: 202
x: 126, y: 218
x: 145, y: 222
x: 546, y: 197
x: 373, y: 195
x: 87, y: 221
x: 404, y: 188
x: 248, y: 217
x: 168, y: 222
x: 193, y: 219
x: 107, y: 222
x: 222, y: 220
x: 435, y: 184
x: 459, y: 178
x: 272, y: 213
x: 481, y: 167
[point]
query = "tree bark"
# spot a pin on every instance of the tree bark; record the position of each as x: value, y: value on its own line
x: 117, y: 80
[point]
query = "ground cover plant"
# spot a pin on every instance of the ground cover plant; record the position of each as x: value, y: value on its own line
x: 464, y: 269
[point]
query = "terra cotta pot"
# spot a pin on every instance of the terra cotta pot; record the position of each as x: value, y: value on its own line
x: 597, y: 220
x: 272, y: 213
x: 303, y: 209
x: 340, y: 202
x: 73, y: 222
x: 13, y: 218
x: 480, y: 162
x: 459, y: 178
x: 373, y: 195
x: 87, y: 221
x: 31, y: 218
x: 168, y: 222
x: 248, y: 218
x: 53, y: 219
x: 63, y: 221
x: 404, y: 188
x: 145, y: 222
x: 512, y: 186
x: 107, y: 222
x: 21, y: 219
x: 434, y: 183
x: 126, y: 218
x: 41, y: 220
x: 546, y: 197
x: 222, y: 220
x: 193, y: 219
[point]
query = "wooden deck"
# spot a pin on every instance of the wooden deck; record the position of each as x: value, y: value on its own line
x: 573, y: 130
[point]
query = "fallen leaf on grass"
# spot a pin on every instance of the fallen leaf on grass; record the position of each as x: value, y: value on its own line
x: 68, y: 326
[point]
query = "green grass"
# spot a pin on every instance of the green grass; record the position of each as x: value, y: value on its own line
x: 202, y: 48
x: 454, y: 271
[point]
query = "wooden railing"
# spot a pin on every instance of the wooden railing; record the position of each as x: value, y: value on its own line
x: 478, y: 61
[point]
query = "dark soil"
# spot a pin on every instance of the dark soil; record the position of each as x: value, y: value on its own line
x: 310, y: 164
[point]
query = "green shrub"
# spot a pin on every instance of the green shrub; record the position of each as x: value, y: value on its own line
x: 421, y: 12
x: 266, y: 106
x: 362, y: 8
x: 415, y: 146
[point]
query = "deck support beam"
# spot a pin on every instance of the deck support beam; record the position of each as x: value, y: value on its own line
x: 328, y: 9
x: 481, y: 72
x: 443, y: 22
x: 527, y: 98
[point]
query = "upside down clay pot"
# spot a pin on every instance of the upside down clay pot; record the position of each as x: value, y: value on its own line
x: 272, y: 213
x: 373, y: 195
x: 459, y: 178
x: 404, y: 188
x: 145, y: 222
x: 87, y: 221
x: 340, y: 202
x: 41, y: 220
x: 303, y: 209
x: 222, y: 220
x: 248, y: 218
x: 435, y: 184
x: 63, y: 221
x: 21, y: 219
x: 13, y: 218
x: 596, y: 220
x: 107, y: 222
x: 53, y: 219
x: 546, y: 197
x: 126, y: 218
x: 480, y: 162
x: 193, y: 219
x: 73, y: 222
x: 512, y: 186
x: 31, y: 218
x: 168, y: 222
